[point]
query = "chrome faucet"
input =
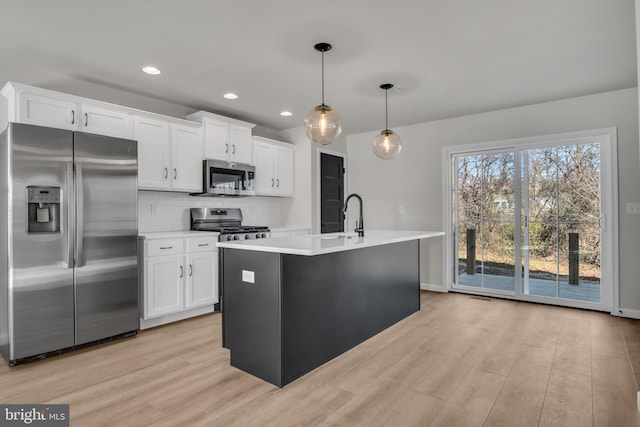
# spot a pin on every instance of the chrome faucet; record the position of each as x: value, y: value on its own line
x: 360, y: 223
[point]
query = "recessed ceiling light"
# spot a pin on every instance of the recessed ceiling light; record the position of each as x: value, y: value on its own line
x: 150, y: 69
x: 286, y: 113
x: 230, y: 95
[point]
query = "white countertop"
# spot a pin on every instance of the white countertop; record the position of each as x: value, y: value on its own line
x: 318, y: 244
x: 176, y: 234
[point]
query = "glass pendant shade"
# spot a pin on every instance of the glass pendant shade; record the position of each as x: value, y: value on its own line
x: 322, y: 125
x: 387, y: 145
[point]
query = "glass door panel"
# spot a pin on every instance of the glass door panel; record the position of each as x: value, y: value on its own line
x: 561, y: 228
x: 484, y: 214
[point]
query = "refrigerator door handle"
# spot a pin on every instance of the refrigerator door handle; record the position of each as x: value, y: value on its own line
x: 80, y: 261
x: 70, y: 215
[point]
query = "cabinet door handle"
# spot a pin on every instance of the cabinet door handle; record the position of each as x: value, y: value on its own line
x: 278, y: 182
x: 181, y: 272
x: 226, y: 148
x: 166, y: 173
x: 166, y: 247
x: 272, y: 183
x: 203, y: 244
x: 190, y: 270
x: 73, y: 117
x: 175, y: 173
x: 86, y: 120
x: 234, y: 149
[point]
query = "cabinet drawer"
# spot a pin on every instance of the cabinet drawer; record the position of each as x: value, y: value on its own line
x: 164, y: 247
x: 202, y: 244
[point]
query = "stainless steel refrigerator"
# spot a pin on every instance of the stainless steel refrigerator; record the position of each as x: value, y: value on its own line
x: 69, y: 239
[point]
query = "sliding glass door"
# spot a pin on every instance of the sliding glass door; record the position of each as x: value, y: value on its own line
x: 485, y: 209
x: 562, y: 231
x: 529, y: 222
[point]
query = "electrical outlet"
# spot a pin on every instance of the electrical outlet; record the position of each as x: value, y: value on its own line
x: 248, y: 276
x: 401, y: 209
x: 639, y: 400
x: 633, y: 208
x: 154, y: 209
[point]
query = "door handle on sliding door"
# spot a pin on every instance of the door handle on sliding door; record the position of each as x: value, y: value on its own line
x: 602, y: 222
x: 80, y: 260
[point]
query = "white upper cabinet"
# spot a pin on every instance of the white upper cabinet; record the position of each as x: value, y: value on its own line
x: 241, y: 144
x: 169, y: 155
x: 153, y: 152
x: 216, y: 140
x: 283, y: 166
x: 225, y: 138
x: 186, y: 158
x: 274, y: 167
x: 44, y: 111
x: 263, y: 161
x: 31, y: 105
x: 105, y: 121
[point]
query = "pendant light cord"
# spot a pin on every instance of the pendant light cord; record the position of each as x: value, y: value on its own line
x: 386, y: 110
x: 322, y: 78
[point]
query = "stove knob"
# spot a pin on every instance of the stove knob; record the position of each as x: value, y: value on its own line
x: 247, y: 236
x: 264, y: 236
x: 229, y: 238
x: 257, y: 235
x: 236, y: 237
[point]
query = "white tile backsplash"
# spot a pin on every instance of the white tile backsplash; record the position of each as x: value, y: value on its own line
x: 166, y: 211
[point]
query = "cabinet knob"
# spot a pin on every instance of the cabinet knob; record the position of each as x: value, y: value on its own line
x: 181, y: 272
x: 234, y: 149
x: 190, y: 270
x: 272, y: 183
x: 86, y: 120
x: 278, y: 182
x: 226, y: 148
x: 166, y: 173
x: 175, y: 173
x: 73, y: 117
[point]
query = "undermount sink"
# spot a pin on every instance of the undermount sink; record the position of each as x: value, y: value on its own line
x: 329, y: 236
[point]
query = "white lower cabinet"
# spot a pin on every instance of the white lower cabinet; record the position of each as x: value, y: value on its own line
x: 179, y: 278
x: 202, y: 273
x: 163, y: 285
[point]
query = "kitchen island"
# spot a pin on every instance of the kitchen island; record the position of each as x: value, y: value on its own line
x: 291, y: 304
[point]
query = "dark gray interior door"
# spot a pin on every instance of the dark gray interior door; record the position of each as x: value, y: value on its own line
x: 331, y: 193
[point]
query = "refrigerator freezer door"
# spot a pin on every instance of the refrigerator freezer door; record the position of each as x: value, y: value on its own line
x: 106, y: 242
x: 41, y: 276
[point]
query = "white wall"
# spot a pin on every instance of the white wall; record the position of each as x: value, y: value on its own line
x: 414, y: 180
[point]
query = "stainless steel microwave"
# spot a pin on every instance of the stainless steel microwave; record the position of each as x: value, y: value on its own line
x: 222, y: 178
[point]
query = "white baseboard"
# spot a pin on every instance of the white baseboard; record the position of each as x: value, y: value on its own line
x: 157, y: 321
x: 434, y: 288
x: 627, y: 312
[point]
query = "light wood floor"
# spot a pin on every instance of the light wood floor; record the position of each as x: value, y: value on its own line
x: 460, y: 361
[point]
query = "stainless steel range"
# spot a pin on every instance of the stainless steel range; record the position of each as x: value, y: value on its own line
x: 227, y: 222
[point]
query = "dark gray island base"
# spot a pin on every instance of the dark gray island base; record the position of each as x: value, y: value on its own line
x: 302, y: 311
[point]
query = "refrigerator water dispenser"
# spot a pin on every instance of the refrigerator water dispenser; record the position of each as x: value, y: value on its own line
x: 43, y: 209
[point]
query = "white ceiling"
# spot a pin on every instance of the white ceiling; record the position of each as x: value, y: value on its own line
x: 448, y: 57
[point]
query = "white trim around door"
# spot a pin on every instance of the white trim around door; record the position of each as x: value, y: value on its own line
x: 607, y: 139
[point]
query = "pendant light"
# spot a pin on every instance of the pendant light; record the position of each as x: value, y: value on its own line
x: 387, y: 145
x: 322, y: 124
